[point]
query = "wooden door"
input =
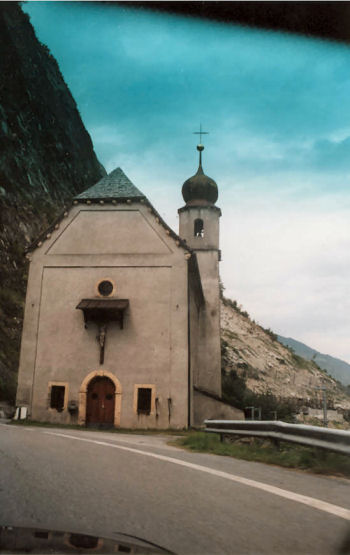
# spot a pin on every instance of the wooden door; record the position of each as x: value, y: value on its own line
x: 100, y: 402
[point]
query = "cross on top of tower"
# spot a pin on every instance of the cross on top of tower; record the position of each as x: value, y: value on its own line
x: 200, y: 133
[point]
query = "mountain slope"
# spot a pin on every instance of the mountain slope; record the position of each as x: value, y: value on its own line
x: 339, y: 369
x: 255, y: 355
x: 46, y: 157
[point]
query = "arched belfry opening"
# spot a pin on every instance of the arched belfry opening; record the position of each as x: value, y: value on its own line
x: 198, y: 228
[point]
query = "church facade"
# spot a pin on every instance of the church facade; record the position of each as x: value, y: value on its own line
x: 122, y: 315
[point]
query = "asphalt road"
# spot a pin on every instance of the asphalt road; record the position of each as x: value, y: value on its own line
x: 100, y: 483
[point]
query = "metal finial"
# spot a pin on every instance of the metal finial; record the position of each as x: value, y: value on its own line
x: 200, y: 147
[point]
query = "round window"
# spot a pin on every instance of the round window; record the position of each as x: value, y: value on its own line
x: 105, y: 288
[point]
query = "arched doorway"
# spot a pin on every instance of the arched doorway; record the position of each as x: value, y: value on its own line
x: 83, y: 395
x: 100, y: 402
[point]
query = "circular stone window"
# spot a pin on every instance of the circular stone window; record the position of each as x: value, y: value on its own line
x: 105, y: 288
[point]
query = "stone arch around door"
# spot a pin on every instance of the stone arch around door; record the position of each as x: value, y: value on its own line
x: 83, y: 395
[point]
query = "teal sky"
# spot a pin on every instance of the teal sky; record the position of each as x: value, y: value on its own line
x: 278, y: 112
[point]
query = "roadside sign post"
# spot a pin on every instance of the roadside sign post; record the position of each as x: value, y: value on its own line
x: 324, y: 404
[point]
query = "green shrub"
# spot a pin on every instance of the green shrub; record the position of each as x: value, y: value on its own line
x: 270, y: 333
x: 233, y: 389
x: 234, y: 305
x: 235, y: 392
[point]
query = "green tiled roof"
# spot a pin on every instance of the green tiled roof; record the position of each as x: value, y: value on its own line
x: 115, y: 185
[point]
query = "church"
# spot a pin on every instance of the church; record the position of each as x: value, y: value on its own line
x: 122, y: 315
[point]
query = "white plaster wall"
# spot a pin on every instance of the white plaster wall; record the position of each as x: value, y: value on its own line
x: 152, y: 347
x: 207, y: 408
x: 209, y: 349
x: 194, y: 330
x: 129, y: 233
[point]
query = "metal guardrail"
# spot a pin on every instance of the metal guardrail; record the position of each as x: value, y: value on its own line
x: 312, y: 436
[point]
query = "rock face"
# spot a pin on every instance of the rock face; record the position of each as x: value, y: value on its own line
x: 46, y: 157
x: 265, y: 364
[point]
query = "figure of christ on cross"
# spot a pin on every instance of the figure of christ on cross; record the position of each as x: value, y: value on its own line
x: 101, y: 338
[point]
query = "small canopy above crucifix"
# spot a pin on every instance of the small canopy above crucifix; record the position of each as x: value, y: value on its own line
x: 103, y: 311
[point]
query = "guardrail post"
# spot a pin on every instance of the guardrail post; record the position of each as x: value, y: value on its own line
x: 252, y: 412
x: 276, y: 442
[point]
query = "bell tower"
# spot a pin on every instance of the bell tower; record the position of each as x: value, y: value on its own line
x: 199, y: 218
x: 199, y: 227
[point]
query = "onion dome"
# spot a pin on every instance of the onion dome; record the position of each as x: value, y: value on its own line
x: 200, y: 187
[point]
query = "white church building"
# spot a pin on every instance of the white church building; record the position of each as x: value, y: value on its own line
x: 122, y: 315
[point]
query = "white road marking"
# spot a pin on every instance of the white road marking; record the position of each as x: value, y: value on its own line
x: 9, y: 427
x: 335, y: 510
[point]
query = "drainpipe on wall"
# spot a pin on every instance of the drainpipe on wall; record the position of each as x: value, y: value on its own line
x: 189, y: 392
x: 169, y: 408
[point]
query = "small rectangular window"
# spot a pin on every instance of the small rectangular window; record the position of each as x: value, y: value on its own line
x: 57, y: 397
x: 144, y: 398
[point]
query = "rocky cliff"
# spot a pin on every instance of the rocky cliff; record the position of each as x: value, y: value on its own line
x: 262, y: 364
x: 46, y: 157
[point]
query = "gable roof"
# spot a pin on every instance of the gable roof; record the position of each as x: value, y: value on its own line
x: 115, y: 185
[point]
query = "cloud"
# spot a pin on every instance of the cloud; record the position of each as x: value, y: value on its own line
x: 288, y: 263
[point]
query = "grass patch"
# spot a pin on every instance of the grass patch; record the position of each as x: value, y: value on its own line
x: 286, y: 454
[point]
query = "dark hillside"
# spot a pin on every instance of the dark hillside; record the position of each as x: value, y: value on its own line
x: 339, y: 369
x: 46, y: 157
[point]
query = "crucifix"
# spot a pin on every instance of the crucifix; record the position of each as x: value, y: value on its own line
x: 101, y: 338
x: 200, y: 133
x: 102, y: 312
